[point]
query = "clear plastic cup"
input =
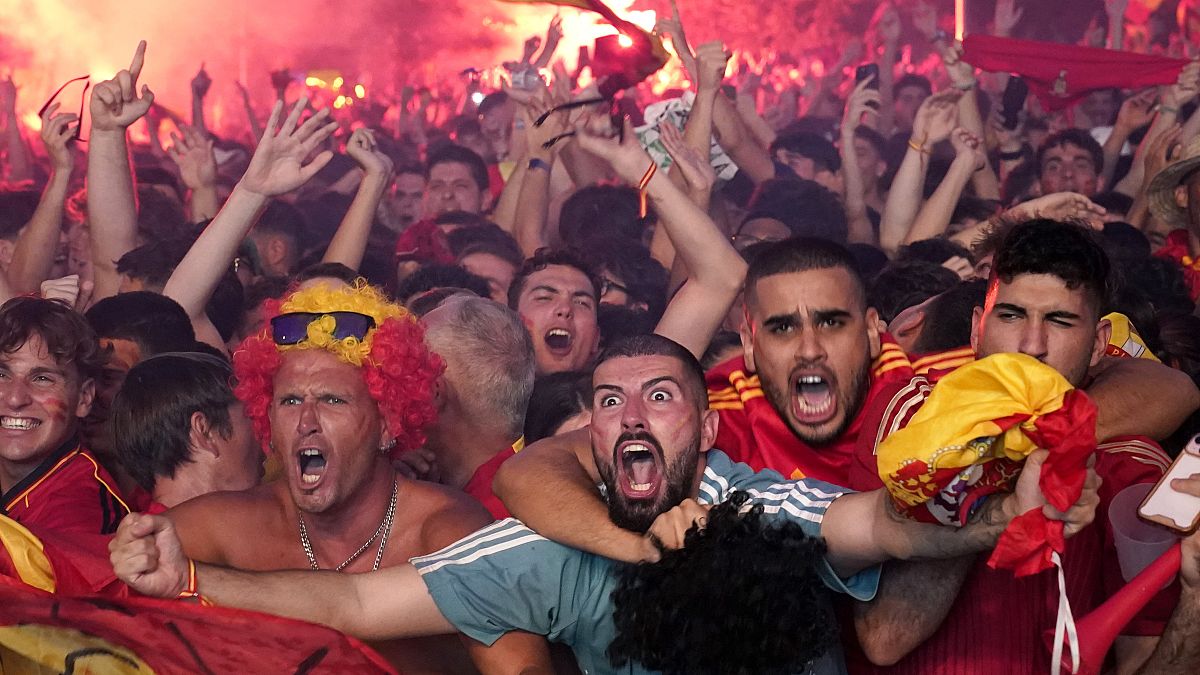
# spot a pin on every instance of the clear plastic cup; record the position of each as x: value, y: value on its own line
x: 1138, y: 542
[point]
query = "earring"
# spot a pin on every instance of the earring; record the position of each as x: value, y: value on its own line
x: 387, y: 447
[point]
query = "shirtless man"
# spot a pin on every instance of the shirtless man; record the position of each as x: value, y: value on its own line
x: 332, y: 416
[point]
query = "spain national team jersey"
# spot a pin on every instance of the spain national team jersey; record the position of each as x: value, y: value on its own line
x: 979, y: 635
x: 68, y: 493
x: 752, y: 431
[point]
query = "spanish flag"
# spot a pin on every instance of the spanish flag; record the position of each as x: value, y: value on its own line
x: 44, y: 633
x: 970, y: 438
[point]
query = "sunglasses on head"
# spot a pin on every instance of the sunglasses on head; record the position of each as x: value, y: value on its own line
x: 82, y: 102
x: 292, y: 328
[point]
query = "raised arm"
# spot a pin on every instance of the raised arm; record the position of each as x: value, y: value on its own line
x: 716, y: 271
x: 255, y: 128
x: 193, y: 154
x: 573, y: 513
x: 1136, y: 112
x: 349, y: 243
x: 935, y: 214
x: 962, y: 77
x: 33, y: 256
x: 934, y: 121
x: 200, y: 85
x: 864, y: 100
x: 886, y: 27
x: 534, y: 202
x: 112, y: 209
x: 277, y: 167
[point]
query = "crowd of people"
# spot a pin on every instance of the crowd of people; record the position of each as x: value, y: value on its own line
x: 558, y: 381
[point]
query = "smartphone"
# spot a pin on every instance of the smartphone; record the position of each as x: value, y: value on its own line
x: 1013, y: 102
x: 1172, y: 509
x: 865, y: 71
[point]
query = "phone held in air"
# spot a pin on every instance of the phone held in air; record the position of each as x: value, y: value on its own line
x: 1013, y: 102
x: 1169, y: 508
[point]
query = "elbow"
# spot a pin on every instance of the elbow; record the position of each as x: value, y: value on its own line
x: 883, y: 653
x: 506, y: 481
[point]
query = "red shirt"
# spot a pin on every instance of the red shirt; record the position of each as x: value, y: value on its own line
x: 751, y: 430
x: 996, y: 623
x: 480, y: 485
x: 68, y: 493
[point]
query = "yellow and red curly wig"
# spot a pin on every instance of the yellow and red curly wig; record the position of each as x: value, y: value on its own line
x: 398, y: 368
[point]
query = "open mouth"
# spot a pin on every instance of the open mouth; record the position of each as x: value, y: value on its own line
x: 558, y: 341
x: 639, y: 469
x: 813, y: 399
x: 312, y: 467
x: 19, y: 423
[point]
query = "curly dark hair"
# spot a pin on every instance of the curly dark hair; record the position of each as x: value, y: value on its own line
x: 772, y: 615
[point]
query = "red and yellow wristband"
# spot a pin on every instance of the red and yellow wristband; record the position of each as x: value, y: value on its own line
x: 191, y: 592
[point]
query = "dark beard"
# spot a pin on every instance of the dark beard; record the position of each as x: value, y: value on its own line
x: 638, y: 516
x: 850, y: 403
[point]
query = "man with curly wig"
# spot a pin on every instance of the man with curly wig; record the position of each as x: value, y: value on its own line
x: 338, y: 381
x: 652, y: 436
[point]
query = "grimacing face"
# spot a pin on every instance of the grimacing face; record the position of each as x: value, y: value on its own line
x: 326, y: 428
x: 648, y: 432
x: 1069, y: 168
x: 811, y: 340
x: 1037, y: 315
x: 451, y: 187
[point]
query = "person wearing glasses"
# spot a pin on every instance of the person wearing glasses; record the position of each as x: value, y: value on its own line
x: 338, y: 381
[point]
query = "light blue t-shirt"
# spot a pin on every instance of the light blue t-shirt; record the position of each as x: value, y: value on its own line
x: 506, y: 577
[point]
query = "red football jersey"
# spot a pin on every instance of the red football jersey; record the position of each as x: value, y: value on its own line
x: 70, y: 492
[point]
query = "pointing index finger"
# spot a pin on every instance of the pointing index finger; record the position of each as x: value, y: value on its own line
x: 139, y: 58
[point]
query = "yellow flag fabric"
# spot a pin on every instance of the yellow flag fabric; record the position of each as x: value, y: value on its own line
x: 23, y: 557
x: 32, y: 649
x: 973, y: 416
x: 1125, y: 340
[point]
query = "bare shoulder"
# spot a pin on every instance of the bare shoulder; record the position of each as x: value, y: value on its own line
x: 208, y: 522
x: 446, y: 514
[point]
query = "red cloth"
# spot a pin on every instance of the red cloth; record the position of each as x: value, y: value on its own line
x: 1178, y: 248
x: 1069, y: 433
x: 752, y: 431
x: 480, y: 485
x: 172, y: 637
x: 1061, y: 74
x: 69, y: 493
x: 424, y: 242
x: 968, y: 641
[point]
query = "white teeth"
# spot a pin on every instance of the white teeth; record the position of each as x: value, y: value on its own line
x: 310, y: 478
x: 559, y: 331
x: 310, y: 452
x: 641, y: 487
x: 19, y: 423
x: 811, y: 379
x: 635, y: 447
x: 815, y: 409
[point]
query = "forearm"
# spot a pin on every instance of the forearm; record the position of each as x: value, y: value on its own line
x: 904, y: 539
x: 887, y: 79
x: 505, y: 213
x: 1112, y: 152
x: 912, y: 602
x: 583, y: 167
x: 746, y: 153
x: 1137, y: 397
x: 20, y: 165
x: 349, y: 243
x: 1178, y: 650
x: 1191, y: 128
x: 903, y: 201
x: 548, y: 489
x: 197, y: 275
x: 758, y: 127
x: 1135, y: 181
x: 1116, y: 32
x: 698, y: 131
x: 198, y: 112
x: 256, y: 129
x: 389, y: 604
x: 934, y: 216
x: 532, y: 207
x: 203, y: 203
x: 860, y: 229
x: 112, y: 209
x: 33, y: 255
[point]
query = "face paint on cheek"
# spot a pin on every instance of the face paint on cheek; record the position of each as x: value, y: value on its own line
x: 57, y: 409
